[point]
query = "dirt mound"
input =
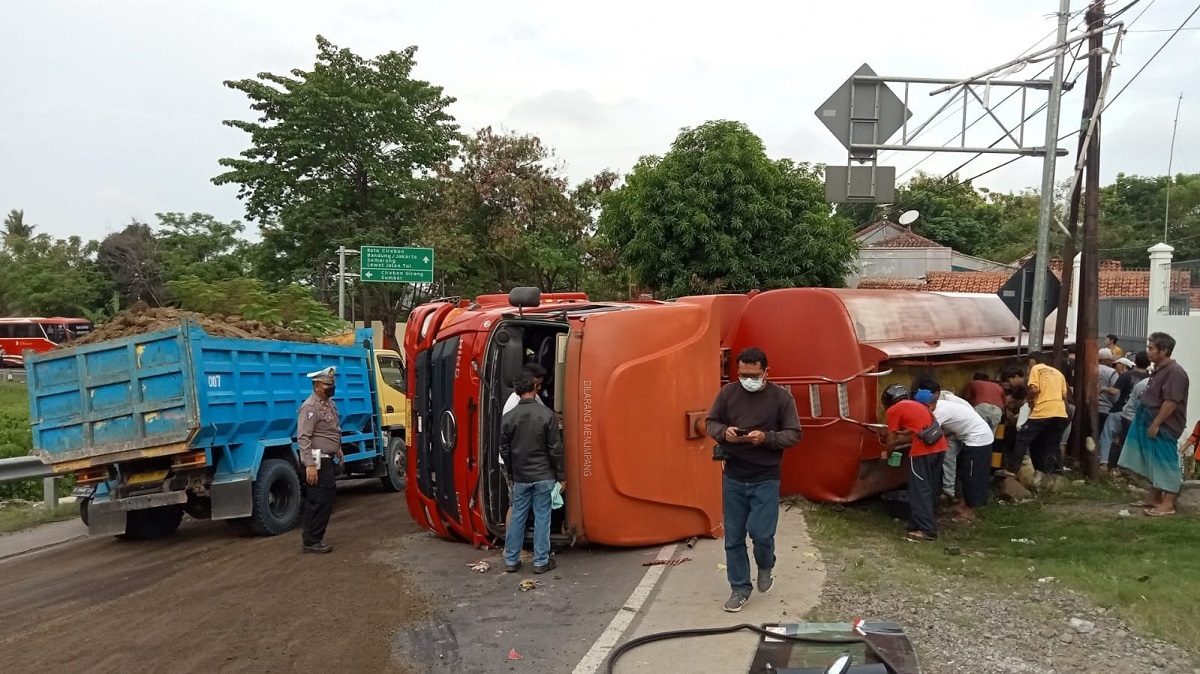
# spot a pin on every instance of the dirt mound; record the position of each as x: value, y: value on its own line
x: 140, y: 319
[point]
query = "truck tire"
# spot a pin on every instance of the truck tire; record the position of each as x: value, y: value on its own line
x: 396, y: 470
x: 152, y: 523
x: 276, y: 495
x: 83, y: 510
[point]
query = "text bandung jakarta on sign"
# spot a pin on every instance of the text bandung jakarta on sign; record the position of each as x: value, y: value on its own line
x: 403, y: 265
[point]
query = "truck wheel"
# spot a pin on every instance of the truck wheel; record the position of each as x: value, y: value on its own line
x: 276, y: 498
x: 151, y: 523
x: 83, y: 509
x: 397, y: 466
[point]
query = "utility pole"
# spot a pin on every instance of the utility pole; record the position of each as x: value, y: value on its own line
x: 1087, y: 413
x: 1068, y: 255
x: 341, y: 279
x: 342, y: 282
x: 1037, y: 319
x: 1170, y: 168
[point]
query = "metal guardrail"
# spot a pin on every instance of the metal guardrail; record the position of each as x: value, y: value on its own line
x: 13, y: 375
x: 24, y: 468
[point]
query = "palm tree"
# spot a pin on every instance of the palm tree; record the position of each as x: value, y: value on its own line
x: 16, y: 230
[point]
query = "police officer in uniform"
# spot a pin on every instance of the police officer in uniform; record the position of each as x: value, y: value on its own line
x: 320, y: 437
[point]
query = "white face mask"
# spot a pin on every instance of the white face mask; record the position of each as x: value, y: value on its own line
x: 751, y: 384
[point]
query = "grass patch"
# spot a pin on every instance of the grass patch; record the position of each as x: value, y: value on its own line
x: 1145, y: 569
x: 16, y: 439
x: 16, y: 518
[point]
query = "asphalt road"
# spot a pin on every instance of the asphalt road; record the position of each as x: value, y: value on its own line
x: 390, y: 598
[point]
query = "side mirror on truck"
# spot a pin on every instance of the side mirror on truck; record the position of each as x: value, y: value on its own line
x: 525, y: 297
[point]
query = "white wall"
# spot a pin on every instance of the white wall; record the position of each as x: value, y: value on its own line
x: 1185, y: 329
x: 909, y: 263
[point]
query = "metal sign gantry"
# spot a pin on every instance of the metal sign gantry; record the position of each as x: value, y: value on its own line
x: 864, y: 113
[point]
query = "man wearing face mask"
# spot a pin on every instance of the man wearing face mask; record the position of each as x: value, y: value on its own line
x: 319, y: 436
x: 753, y: 422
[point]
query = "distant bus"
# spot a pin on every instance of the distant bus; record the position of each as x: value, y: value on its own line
x: 18, y: 335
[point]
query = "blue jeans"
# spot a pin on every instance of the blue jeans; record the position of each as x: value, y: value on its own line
x: 1112, y: 426
x: 749, y: 508
x: 529, y: 496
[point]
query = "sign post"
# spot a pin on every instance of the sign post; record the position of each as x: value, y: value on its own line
x: 383, y: 264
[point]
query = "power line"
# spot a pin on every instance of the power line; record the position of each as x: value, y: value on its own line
x: 958, y: 107
x: 1152, y: 57
x: 1106, y: 105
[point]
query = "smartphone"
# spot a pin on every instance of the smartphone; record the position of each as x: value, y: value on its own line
x: 742, y: 432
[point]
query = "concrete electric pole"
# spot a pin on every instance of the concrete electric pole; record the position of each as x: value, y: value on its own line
x: 1037, y: 319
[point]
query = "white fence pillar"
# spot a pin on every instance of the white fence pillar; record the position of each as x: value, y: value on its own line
x: 1160, y: 284
x: 1073, y: 310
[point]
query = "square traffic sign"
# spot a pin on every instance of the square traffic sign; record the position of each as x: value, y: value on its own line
x: 384, y: 264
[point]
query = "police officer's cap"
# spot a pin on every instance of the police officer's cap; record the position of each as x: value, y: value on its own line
x: 324, y: 376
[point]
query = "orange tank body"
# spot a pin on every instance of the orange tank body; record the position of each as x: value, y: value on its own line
x: 837, y: 349
x: 633, y: 381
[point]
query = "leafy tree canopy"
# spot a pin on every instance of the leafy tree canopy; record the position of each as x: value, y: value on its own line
x: 716, y: 214
x: 503, y: 215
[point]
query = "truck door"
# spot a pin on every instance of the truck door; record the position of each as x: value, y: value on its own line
x: 635, y: 423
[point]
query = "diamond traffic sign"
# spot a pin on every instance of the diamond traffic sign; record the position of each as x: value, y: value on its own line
x: 863, y: 113
x: 1017, y: 291
x: 382, y: 264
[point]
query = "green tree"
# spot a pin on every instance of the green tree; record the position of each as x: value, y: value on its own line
x: 716, y: 214
x: 200, y: 245
x: 16, y: 230
x: 503, y: 215
x: 1133, y: 211
x: 340, y: 155
x: 292, y: 306
x: 52, y: 277
x: 132, y: 260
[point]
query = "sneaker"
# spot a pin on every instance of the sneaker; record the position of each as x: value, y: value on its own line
x: 919, y: 537
x: 736, y: 602
x: 512, y: 568
x: 318, y: 548
x: 548, y: 566
x: 765, y: 580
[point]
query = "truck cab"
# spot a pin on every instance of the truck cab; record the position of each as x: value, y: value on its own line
x: 630, y: 381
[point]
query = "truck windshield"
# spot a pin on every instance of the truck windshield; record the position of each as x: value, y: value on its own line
x: 392, y: 370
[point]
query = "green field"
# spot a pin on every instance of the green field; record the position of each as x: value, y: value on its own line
x: 16, y: 440
x: 1144, y: 569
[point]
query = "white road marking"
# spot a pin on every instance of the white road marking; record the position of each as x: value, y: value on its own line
x: 599, y: 651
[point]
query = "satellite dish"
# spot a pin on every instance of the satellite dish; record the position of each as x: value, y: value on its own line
x: 909, y: 217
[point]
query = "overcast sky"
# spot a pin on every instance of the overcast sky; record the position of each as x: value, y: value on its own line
x: 112, y: 110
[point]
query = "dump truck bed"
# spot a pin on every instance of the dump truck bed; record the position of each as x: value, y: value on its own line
x: 180, y: 389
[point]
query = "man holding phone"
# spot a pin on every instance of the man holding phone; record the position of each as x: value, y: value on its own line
x: 753, y: 422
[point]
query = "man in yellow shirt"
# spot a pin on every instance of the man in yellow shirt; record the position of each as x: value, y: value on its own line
x: 1040, y: 435
x: 1110, y: 342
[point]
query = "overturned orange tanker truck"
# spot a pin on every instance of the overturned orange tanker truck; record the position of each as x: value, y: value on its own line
x: 632, y: 383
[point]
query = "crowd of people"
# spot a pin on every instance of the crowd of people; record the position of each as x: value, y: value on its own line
x: 949, y: 438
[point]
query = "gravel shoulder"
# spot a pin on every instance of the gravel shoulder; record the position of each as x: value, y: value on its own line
x: 964, y: 622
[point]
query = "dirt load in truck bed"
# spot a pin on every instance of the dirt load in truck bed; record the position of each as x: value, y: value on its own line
x: 140, y: 319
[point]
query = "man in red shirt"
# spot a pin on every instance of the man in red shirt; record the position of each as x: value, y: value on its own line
x: 906, y: 418
x: 987, y: 397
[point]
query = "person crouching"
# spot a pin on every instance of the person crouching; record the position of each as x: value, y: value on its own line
x: 910, y: 422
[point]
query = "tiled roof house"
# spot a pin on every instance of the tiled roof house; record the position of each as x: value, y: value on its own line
x: 891, y: 250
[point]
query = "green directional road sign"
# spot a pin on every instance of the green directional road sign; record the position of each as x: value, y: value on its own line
x: 383, y: 264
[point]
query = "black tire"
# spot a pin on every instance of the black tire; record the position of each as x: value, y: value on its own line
x: 277, y: 498
x: 83, y: 510
x: 396, y: 470
x: 152, y: 523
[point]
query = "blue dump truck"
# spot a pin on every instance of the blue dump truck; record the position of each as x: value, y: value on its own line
x: 179, y: 421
